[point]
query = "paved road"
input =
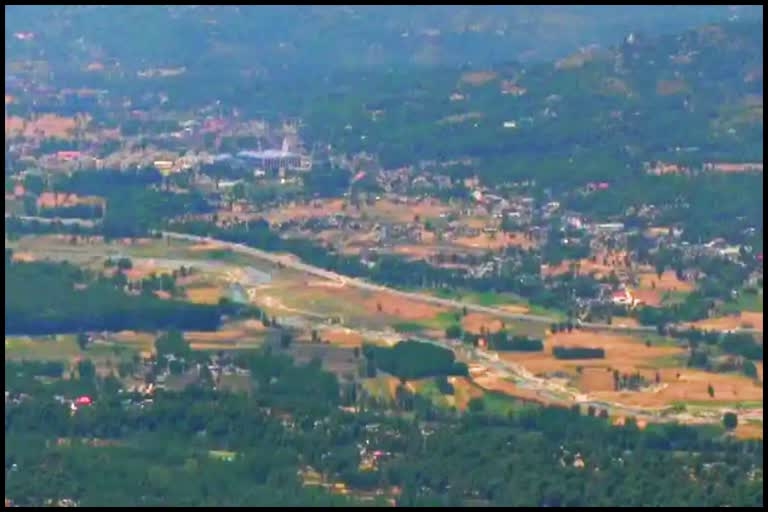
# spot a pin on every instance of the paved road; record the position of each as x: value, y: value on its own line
x: 44, y: 220
x: 296, y: 264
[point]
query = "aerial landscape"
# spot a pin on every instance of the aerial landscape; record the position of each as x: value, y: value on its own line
x: 384, y: 256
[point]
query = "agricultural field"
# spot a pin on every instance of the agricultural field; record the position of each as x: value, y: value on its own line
x: 629, y: 355
x: 105, y: 355
x: 739, y: 320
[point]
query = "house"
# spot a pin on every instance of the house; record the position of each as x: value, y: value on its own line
x: 56, y: 200
x: 624, y: 298
x: 509, y: 87
x: 68, y: 156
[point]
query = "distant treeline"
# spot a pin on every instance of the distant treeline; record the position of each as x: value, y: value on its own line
x: 48, y: 298
x: 578, y: 353
x: 502, y: 341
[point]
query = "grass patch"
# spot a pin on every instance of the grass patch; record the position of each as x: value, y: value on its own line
x: 735, y: 404
x: 671, y: 361
x: 494, y: 300
x: 669, y: 298
x: 500, y: 403
x: 44, y: 348
x: 751, y: 302
x: 428, y: 389
x: 378, y: 387
x: 236, y: 383
x: 222, y: 455
x: 659, y: 341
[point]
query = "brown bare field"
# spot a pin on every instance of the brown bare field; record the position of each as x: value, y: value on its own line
x: 463, y: 391
x: 397, y: 212
x: 668, y: 282
x: 229, y: 335
x: 24, y: 257
x: 47, y: 125
x: 139, y: 272
x: 750, y: 319
x: 625, y: 321
x: 8, y: 99
x: 400, y: 307
x: 473, y: 322
x: 657, y: 231
x: 514, y: 308
x: 669, y: 87
x: 316, y: 208
x: 478, y: 77
x: 416, y: 251
x: 622, y: 353
x: 749, y: 431
x: 207, y: 295
x: 341, y: 337
x: 204, y: 247
x: 691, y: 386
x: 501, y: 240
x: 460, y: 118
x: 492, y: 383
x: 144, y: 341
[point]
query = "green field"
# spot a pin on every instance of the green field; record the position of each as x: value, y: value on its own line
x: 65, y: 348
x: 499, y: 403
x: 493, y: 299
x: 752, y: 302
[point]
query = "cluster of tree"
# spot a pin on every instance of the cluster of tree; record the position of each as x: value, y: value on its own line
x: 80, y: 211
x: 632, y: 382
x: 735, y: 343
x: 414, y: 360
x: 73, y: 303
x: 578, y: 352
x: 501, y: 341
x: 161, y: 453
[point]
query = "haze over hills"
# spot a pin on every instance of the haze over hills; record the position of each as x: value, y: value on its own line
x: 279, y: 39
x: 384, y: 256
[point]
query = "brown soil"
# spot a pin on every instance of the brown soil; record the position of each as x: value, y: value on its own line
x: 464, y: 391
x: 669, y: 87
x: 622, y: 353
x: 400, y: 307
x: 691, y: 386
x: 477, y: 78
x: 749, y: 431
x: 483, y: 241
x: 473, y: 322
x: 207, y: 295
x: 341, y: 337
x: 745, y: 319
x: 216, y: 336
x: 47, y: 125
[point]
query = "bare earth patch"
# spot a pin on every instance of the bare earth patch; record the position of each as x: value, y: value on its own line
x: 477, y: 78
x: 400, y: 307
x: 474, y: 322
x: 463, y: 391
x: 691, y: 386
x: 622, y: 353
x: 745, y: 319
x: 341, y: 337
x: 207, y: 295
x: 749, y: 430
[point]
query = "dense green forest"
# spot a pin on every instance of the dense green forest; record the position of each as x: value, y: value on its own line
x: 535, y: 456
x: 412, y: 359
x: 49, y: 298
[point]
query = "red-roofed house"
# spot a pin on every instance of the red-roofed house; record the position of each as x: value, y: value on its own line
x: 56, y: 200
x: 68, y: 155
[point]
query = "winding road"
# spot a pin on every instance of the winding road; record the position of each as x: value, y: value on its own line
x: 294, y: 263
